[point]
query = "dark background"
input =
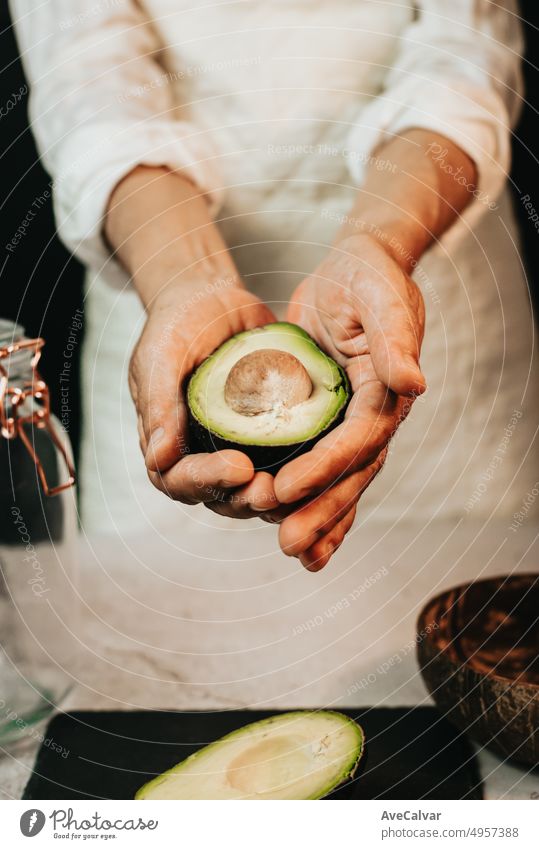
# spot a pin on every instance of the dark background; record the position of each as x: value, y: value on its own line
x: 41, y: 285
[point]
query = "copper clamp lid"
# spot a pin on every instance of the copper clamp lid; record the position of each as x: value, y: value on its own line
x: 12, y: 425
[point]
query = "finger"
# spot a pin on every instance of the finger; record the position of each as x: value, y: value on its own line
x: 250, y: 501
x: 371, y: 419
x: 164, y: 359
x: 319, y: 554
x: 143, y: 442
x: 224, y: 507
x: 259, y: 494
x: 279, y: 514
x: 204, y: 477
x: 155, y: 375
x: 393, y: 316
x: 304, y: 527
x: 254, y: 313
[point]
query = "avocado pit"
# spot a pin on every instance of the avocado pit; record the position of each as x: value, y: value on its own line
x: 267, y: 380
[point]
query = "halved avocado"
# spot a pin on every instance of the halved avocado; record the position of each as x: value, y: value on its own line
x: 296, y: 755
x: 269, y: 392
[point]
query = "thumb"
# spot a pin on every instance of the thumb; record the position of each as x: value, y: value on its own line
x: 393, y: 320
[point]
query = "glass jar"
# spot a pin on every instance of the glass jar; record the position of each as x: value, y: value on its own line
x: 38, y: 537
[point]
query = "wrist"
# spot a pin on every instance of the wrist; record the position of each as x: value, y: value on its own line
x: 165, y: 290
x: 406, y: 212
x: 141, y: 203
x: 405, y: 237
x: 403, y: 244
x: 158, y: 224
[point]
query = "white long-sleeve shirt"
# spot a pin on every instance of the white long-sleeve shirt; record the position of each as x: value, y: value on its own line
x: 273, y: 109
x: 238, y: 91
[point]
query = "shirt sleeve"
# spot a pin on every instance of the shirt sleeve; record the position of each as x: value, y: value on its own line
x: 100, y: 104
x: 457, y: 73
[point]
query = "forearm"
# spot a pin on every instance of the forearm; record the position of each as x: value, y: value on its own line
x: 424, y: 183
x: 159, y: 227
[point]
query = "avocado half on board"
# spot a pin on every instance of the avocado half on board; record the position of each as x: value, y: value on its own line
x: 296, y: 755
x: 269, y: 392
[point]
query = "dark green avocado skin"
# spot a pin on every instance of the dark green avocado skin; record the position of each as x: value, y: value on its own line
x: 265, y: 458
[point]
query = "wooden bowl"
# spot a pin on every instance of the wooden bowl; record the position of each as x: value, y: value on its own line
x: 478, y: 651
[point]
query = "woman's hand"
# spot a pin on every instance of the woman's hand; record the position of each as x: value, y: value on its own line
x: 363, y: 308
x: 159, y: 226
x: 184, y: 326
x: 368, y: 314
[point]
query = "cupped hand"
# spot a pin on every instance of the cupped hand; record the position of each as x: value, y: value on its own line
x: 183, y: 327
x: 368, y: 314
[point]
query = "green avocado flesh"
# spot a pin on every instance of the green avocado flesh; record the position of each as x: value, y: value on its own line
x: 297, y: 755
x: 272, y: 432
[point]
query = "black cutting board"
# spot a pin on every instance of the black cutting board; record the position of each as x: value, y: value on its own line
x: 411, y: 753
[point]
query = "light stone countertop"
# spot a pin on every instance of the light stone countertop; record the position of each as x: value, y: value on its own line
x: 221, y: 619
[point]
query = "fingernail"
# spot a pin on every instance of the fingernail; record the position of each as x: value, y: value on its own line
x: 259, y: 507
x: 414, y: 365
x: 421, y: 385
x: 418, y: 380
